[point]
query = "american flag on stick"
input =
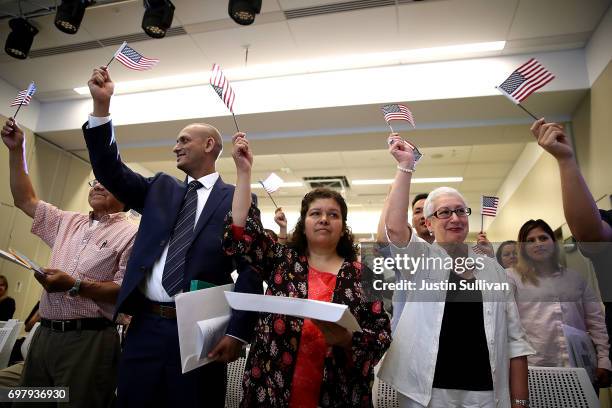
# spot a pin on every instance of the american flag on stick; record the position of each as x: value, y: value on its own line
x: 525, y: 80
x: 133, y: 59
x: 489, y: 205
x: 25, y: 96
x: 222, y: 87
x: 396, y: 111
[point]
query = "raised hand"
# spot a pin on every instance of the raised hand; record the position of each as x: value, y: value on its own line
x: 401, y: 151
x: 553, y: 139
x: 101, y: 88
x: 12, y: 135
x: 243, y: 157
x: 279, y: 218
x: 485, y: 245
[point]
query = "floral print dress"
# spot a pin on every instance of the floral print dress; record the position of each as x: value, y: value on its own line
x: 347, y: 377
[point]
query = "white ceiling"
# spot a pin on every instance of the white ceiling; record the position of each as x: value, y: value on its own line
x: 479, y: 139
x: 528, y: 25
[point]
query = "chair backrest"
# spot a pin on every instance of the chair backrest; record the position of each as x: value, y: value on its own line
x: 235, y: 374
x: 9, y: 336
x: 383, y: 396
x: 25, y: 346
x: 561, y: 387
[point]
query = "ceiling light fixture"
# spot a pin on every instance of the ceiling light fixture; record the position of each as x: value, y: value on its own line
x: 243, y: 11
x: 416, y: 180
x: 157, y: 17
x: 20, y: 39
x: 70, y: 14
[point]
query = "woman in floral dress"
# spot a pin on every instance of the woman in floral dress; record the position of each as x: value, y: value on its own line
x: 295, y: 362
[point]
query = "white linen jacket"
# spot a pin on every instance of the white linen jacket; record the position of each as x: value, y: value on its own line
x: 410, y: 362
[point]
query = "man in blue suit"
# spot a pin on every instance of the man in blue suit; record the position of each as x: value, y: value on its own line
x: 179, y: 240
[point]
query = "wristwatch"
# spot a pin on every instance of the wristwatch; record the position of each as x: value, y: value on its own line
x: 520, y: 402
x: 73, y: 291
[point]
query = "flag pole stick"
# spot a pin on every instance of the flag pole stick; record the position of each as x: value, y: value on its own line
x: 17, y: 111
x: 529, y: 113
x: 481, y: 221
x: 269, y: 195
x: 389, y: 124
x: 238, y: 130
x: 110, y: 62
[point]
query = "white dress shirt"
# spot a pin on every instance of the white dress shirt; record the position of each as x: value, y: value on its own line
x: 151, y: 286
x: 410, y: 362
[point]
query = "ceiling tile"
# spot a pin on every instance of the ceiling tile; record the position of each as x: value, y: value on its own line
x: 267, y: 43
x: 361, y: 31
x: 438, y: 23
x: 543, y: 18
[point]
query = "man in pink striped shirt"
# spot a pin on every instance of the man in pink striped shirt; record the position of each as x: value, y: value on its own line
x: 77, y: 345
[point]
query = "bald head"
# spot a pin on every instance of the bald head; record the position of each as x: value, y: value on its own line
x: 198, y: 146
x: 204, y: 130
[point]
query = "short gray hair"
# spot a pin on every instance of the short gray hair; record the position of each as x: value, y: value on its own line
x: 428, y: 208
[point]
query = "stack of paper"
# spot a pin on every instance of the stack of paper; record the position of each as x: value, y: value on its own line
x: 202, y: 318
x: 304, y: 308
x: 20, y: 259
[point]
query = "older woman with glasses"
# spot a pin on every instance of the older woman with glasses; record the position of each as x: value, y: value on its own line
x: 459, y: 343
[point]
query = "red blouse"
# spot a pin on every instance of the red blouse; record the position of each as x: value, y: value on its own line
x: 308, y: 373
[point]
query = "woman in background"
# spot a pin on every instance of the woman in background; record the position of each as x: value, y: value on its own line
x: 295, y: 362
x: 550, y: 296
x: 506, y: 254
x: 7, y: 304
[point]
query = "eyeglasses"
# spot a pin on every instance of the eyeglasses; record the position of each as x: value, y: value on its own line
x: 93, y: 183
x: 445, y: 213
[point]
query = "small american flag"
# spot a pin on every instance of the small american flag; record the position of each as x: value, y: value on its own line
x: 24, y: 97
x: 489, y: 205
x: 134, y: 60
x: 396, y: 111
x: 525, y: 80
x: 222, y: 87
x: 272, y: 183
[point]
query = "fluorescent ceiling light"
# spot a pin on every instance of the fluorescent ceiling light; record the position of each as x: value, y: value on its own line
x: 416, y: 180
x: 285, y: 184
x: 338, y: 63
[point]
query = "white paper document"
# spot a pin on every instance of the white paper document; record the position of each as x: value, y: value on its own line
x: 20, y: 259
x: 581, y: 350
x: 304, y: 308
x: 210, y: 332
x: 202, y: 317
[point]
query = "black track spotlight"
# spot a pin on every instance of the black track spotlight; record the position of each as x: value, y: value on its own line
x: 243, y: 11
x: 157, y: 17
x: 69, y: 15
x: 20, y: 38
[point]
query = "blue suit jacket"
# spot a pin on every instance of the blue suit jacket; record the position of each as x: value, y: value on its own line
x: 158, y: 199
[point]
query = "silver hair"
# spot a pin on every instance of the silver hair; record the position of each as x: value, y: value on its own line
x: 428, y: 208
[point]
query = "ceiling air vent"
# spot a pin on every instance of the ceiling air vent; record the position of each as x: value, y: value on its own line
x: 337, y: 8
x: 333, y: 182
x: 104, y: 42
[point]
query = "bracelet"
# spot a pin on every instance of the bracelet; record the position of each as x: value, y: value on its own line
x: 405, y: 170
x: 521, y: 402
